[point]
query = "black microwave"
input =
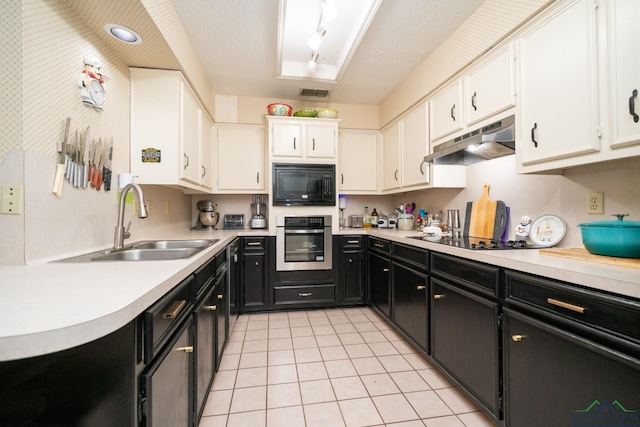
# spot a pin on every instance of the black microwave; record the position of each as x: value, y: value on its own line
x: 296, y: 184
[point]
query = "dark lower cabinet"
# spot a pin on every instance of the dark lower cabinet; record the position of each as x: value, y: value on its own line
x: 91, y: 385
x: 379, y: 283
x: 465, y: 341
x: 557, y: 378
x: 165, y: 385
x: 205, y: 325
x: 254, y: 274
x: 379, y: 262
x: 352, y: 270
x: 222, y: 315
x: 465, y: 328
x: 410, y: 289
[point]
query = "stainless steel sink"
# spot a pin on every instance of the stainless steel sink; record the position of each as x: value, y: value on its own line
x: 173, y: 244
x: 147, y: 250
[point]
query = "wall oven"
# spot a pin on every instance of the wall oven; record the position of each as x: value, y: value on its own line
x: 303, y: 242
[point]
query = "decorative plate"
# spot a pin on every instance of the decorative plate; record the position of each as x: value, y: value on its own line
x: 547, y: 230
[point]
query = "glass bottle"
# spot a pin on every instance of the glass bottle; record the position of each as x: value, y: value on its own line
x: 366, y: 219
x: 374, y: 218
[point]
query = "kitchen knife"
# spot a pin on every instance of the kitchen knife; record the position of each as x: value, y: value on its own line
x: 98, y: 154
x: 85, y: 159
x: 61, y: 167
x: 107, y: 168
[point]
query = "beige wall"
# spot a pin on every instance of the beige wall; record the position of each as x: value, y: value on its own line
x: 54, y: 43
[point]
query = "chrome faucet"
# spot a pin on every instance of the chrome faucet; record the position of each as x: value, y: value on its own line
x: 121, y: 233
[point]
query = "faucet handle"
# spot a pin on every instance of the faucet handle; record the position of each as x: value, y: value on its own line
x: 126, y: 231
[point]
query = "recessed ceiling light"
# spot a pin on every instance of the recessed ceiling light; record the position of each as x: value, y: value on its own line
x: 122, y: 33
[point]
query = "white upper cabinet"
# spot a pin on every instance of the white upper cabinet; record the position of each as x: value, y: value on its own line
x: 241, y: 158
x: 391, y: 136
x: 170, y: 132
x: 447, y: 111
x: 358, y: 162
x: 624, y: 60
x: 415, y: 145
x: 303, y: 138
x: 490, y: 86
x: 558, y: 86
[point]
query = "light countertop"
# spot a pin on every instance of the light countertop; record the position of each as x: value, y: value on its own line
x: 48, y: 307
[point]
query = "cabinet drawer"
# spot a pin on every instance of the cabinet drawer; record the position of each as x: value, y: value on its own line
x: 165, y: 316
x: 416, y: 257
x: 253, y: 244
x: 379, y: 245
x: 203, y: 276
x: 352, y: 242
x: 481, y: 277
x: 608, y: 313
x: 304, y: 294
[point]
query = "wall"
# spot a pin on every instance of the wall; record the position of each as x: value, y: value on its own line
x: 535, y: 195
x: 54, y: 43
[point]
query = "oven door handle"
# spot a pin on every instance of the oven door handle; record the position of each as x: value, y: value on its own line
x: 305, y: 231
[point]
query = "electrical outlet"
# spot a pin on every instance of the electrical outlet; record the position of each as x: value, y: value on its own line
x: 595, y: 203
x: 11, y: 199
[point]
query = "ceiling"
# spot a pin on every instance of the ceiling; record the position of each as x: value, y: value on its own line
x: 236, y: 42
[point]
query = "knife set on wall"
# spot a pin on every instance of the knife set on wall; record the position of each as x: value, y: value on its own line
x: 84, y: 162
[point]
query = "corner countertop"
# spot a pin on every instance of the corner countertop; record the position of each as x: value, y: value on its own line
x: 48, y: 307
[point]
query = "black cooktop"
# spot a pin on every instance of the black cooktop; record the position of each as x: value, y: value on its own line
x: 477, y: 243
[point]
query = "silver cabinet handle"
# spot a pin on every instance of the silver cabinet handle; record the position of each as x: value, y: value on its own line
x: 420, y: 288
x: 210, y: 307
x: 438, y: 296
x: 304, y: 294
x: 253, y: 244
x: 186, y: 158
x: 187, y: 349
x: 386, y: 270
x: 257, y: 177
x: 204, y: 171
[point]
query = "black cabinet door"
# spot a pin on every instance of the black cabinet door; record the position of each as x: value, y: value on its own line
x: 379, y: 279
x: 352, y: 263
x: 222, y: 324
x: 410, y: 303
x: 205, y: 321
x: 254, y: 277
x: 166, y: 383
x: 557, y: 378
x: 465, y: 341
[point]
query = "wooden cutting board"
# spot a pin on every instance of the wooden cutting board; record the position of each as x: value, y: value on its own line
x: 584, y: 255
x: 485, y: 218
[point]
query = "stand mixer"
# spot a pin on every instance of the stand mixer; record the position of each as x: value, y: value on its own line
x: 258, y: 213
x: 208, y: 215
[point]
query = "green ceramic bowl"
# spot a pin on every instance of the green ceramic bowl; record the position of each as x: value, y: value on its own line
x: 306, y: 113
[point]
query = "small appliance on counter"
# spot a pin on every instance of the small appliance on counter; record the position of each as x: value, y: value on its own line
x: 233, y: 222
x: 258, y: 213
x: 356, y: 221
x: 208, y: 215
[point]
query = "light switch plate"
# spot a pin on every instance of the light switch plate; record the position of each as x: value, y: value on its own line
x: 11, y: 200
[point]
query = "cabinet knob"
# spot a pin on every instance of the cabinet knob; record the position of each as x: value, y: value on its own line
x: 187, y: 349
x: 220, y: 296
x: 420, y: 288
x: 438, y: 296
x: 518, y: 337
x: 210, y: 307
x: 350, y: 259
x: 386, y: 270
x: 257, y: 263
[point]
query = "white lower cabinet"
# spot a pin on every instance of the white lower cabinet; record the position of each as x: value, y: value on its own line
x: 170, y: 132
x: 358, y: 162
x: 241, y: 158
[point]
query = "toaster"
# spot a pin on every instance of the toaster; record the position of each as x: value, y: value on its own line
x: 356, y: 221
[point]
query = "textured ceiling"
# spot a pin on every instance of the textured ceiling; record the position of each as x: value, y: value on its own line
x: 236, y: 44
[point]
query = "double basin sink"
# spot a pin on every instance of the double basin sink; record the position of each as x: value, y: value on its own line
x: 147, y: 250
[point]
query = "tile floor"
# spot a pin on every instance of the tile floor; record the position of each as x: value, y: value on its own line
x: 329, y: 368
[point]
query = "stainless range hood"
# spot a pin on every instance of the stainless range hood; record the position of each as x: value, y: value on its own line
x: 489, y: 142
